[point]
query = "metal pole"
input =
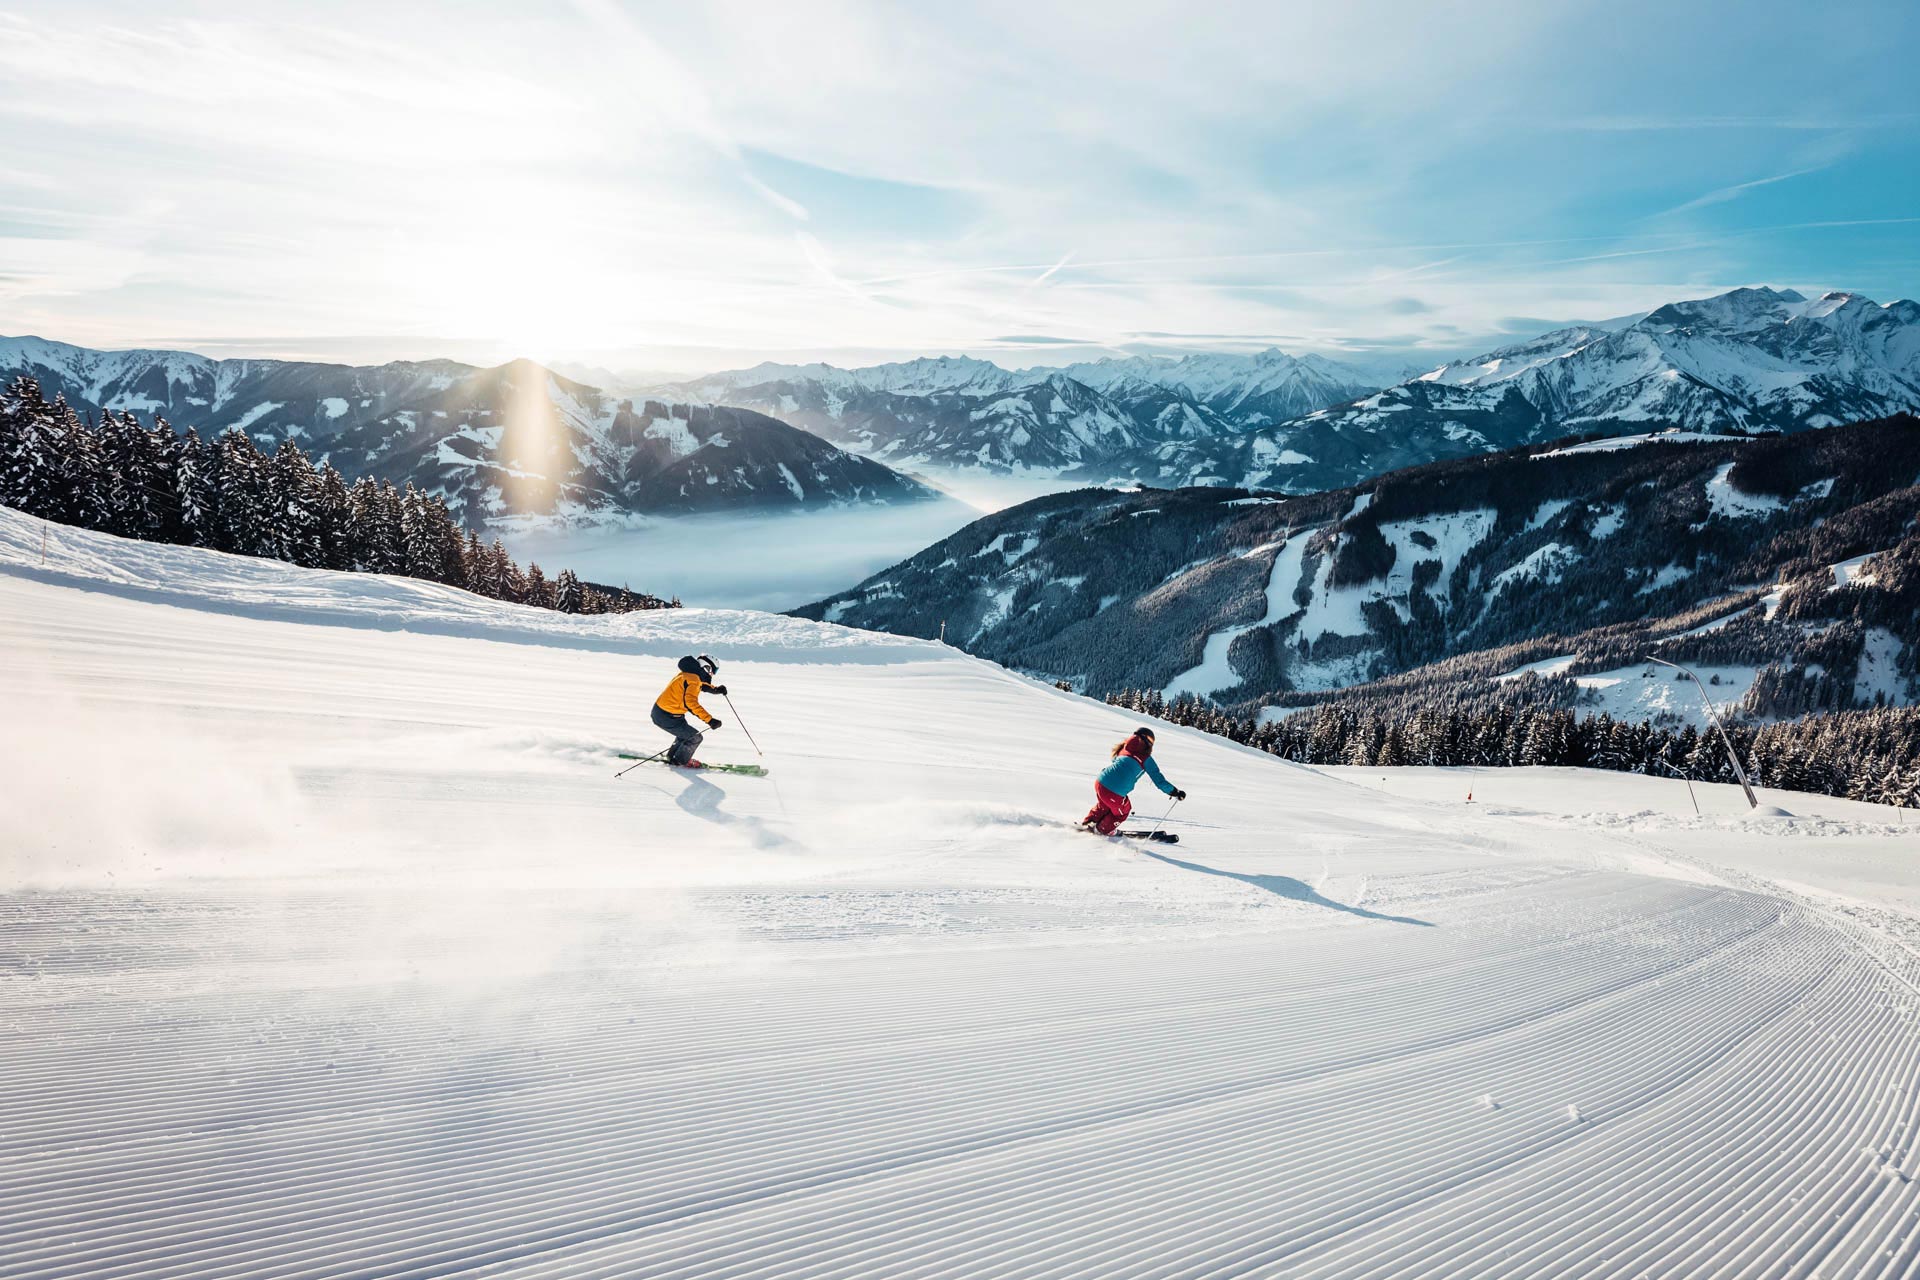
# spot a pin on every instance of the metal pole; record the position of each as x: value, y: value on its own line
x: 1162, y: 818
x: 1684, y: 778
x: 743, y: 724
x: 649, y: 760
x: 1713, y: 718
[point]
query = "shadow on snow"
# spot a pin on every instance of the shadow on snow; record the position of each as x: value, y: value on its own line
x: 1288, y: 887
x: 702, y: 799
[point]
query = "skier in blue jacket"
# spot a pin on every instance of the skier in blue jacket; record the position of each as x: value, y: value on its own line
x: 1131, y: 759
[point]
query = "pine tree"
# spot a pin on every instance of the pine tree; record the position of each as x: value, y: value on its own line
x: 78, y: 491
x: 452, y: 567
x: 567, y: 595
x: 339, y: 543
x: 29, y: 472
x: 192, y: 482
x: 386, y: 541
x: 161, y: 479
x: 537, y: 591
x: 297, y: 527
x: 241, y: 498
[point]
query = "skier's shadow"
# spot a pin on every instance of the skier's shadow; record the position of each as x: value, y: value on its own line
x: 702, y: 799
x: 1288, y: 887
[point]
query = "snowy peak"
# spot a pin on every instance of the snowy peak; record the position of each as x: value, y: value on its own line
x: 1746, y: 361
x: 1097, y: 420
x: 509, y: 442
x: 1737, y: 311
x: 930, y: 375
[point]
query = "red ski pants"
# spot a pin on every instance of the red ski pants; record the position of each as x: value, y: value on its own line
x: 1110, y: 809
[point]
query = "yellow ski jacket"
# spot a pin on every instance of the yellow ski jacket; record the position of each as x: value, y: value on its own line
x: 681, y: 697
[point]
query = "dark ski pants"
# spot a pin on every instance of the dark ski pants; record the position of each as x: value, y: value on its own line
x: 685, y: 737
x: 1110, y: 809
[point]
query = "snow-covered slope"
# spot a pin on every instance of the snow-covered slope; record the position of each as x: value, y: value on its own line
x: 516, y: 441
x: 1743, y: 361
x: 332, y: 946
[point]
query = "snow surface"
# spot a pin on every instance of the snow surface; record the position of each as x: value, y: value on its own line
x: 334, y: 947
x: 1653, y: 692
x: 1851, y: 572
x: 1837, y: 849
x: 1214, y: 673
x: 1649, y: 691
x: 1733, y: 503
x: 1613, y: 444
x: 1542, y: 565
x: 1878, y: 673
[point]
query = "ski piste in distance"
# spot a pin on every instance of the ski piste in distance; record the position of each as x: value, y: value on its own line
x: 745, y: 770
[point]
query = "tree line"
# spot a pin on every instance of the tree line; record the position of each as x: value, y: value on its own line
x: 161, y: 485
x: 1871, y: 755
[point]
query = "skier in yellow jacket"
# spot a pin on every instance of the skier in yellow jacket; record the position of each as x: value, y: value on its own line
x: 681, y: 699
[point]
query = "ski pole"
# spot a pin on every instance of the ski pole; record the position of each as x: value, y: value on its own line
x: 1162, y: 818
x: 637, y: 763
x: 735, y: 711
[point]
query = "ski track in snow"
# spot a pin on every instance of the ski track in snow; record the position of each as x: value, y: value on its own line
x: 333, y: 948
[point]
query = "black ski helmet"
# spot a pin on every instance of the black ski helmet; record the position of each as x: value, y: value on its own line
x: 1145, y: 732
x: 712, y: 668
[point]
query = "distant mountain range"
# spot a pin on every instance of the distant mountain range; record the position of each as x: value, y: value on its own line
x: 520, y: 440
x: 514, y: 441
x: 1746, y: 361
x: 1098, y: 421
x: 1252, y: 599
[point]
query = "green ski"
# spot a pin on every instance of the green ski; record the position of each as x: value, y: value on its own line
x: 745, y: 770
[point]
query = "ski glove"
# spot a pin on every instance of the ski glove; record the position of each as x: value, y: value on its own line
x: 717, y: 688
x: 713, y: 724
x: 1178, y: 794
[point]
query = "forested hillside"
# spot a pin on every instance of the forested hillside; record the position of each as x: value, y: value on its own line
x: 159, y: 485
x: 1247, y: 599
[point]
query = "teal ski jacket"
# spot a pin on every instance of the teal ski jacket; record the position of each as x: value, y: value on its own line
x: 1120, y: 776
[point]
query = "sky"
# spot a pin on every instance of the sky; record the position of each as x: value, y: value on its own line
x: 673, y: 188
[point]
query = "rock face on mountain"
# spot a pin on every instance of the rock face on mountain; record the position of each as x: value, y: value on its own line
x: 1097, y: 421
x: 1747, y: 361
x: 508, y: 442
x: 1247, y: 597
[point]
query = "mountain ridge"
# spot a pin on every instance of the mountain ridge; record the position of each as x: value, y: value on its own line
x: 1096, y: 420
x: 514, y: 441
x: 1249, y: 598
x: 1746, y: 361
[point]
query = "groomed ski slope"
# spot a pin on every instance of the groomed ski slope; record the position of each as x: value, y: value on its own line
x: 330, y: 946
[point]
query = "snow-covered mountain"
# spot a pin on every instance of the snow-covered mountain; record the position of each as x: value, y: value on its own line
x: 1246, y: 391
x: 1745, y: 361
x: 1099, y: 420
x: 516, y: 440
x: 1246, y: 597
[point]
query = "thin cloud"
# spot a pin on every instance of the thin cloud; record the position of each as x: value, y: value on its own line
x: 1721, y: 195
x: 1048, y: 274
x: 816, y: 256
